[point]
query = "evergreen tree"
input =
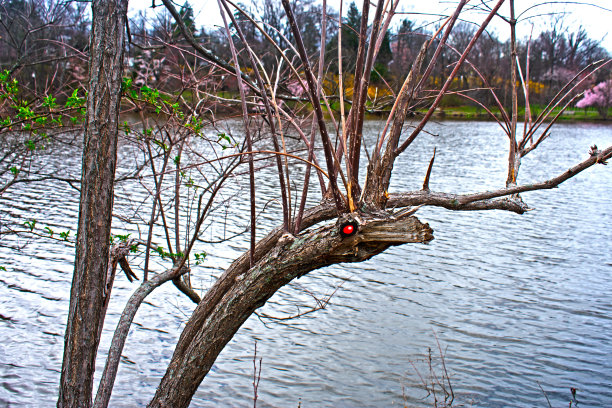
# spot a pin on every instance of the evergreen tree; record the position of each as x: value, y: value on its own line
x: 384, y: 57
x: 186, y: 13
x: 350, y: 37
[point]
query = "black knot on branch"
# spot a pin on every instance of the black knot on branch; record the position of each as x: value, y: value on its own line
x: 348, y: 225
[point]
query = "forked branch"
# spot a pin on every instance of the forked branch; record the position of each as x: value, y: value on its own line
x: 490, y: 200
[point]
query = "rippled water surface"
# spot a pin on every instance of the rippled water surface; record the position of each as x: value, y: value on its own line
x: 521, y: 305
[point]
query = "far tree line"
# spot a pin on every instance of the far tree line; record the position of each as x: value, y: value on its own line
x: 44, y: 45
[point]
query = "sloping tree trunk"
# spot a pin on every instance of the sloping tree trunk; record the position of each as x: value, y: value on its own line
x: 86, y: 314
x: 279, y: 260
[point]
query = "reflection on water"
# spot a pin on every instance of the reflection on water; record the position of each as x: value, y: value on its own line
x: 516, y: 302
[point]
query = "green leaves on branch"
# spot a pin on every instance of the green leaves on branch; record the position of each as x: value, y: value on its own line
x: 31, y: 226
x: 49, y: 102
x: 119, y: 238
x: 123, y: 238
x: 25, y: 112
x: 161, y: 144
x: 150, y: 97
x: 222, y: 137
x: 46, y: 112
x: 190, y: 183
x: 126, y: 88
x: 8, y: 87
x: 195, y: 124
x: 176, y: 109
x: 199, y: 257
x: 33, y: 115
x: 74, y: 100
x: 125, y: 126
x: 163, y: 254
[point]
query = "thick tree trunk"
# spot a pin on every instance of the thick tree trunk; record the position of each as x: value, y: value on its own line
x: 240, y: 291
x: 86, y: 313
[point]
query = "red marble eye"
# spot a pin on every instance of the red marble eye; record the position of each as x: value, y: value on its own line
x: 348, y: 228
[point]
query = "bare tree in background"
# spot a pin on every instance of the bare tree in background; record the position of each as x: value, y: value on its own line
x: 43, y: 43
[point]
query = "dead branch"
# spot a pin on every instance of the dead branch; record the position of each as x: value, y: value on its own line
x: 431, y: 162
x: 485, y: 200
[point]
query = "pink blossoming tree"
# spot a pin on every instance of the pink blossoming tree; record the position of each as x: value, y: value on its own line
x: 600, y: 97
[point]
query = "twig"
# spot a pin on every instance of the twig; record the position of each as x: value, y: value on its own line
x: 256, y: 376
x: 300, y: 213
x: 446, y: 376
x: 546, y: 396
x: 449, y: 80
x: 245, y: 117
x: 286, y: 203
x: 431, y: 162
x: 321, y: 304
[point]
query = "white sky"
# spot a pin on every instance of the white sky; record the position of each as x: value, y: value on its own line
x: 594, y: 15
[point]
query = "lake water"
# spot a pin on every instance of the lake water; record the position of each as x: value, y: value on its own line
x: 520, y: 305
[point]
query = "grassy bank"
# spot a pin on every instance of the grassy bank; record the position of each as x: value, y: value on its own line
x: 475, y: 113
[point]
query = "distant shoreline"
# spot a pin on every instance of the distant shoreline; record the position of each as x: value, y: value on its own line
x: 571, y: 116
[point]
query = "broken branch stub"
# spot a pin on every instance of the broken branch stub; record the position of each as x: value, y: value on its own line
x: 374, y: 235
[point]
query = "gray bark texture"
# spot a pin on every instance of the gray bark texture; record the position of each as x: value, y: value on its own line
x: 279, y: 260
x: 87, y: 296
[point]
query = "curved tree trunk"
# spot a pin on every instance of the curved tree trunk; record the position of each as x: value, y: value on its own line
x: 86, y: 314
x: 240, y: 291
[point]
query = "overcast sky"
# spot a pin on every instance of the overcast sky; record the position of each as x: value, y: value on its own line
x: 594, y: 15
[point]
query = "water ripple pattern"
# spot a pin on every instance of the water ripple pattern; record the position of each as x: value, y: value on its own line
x: 518, y: 304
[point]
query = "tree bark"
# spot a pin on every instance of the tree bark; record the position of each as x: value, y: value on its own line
x: 239, y: 292
x: 86, y: 313
x: 514, y: 157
